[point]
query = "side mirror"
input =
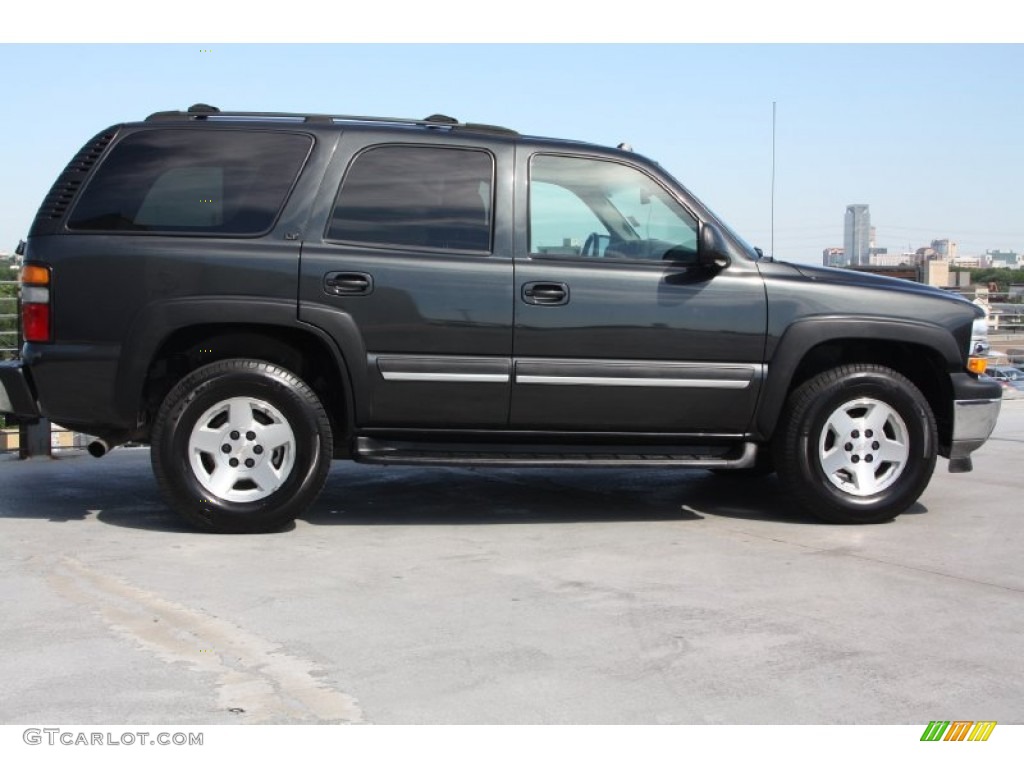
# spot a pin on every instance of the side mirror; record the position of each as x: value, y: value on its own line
x: 712, y: 253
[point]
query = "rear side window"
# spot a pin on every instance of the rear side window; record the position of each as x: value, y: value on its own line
x: 414, y: 197
x: 182, y: 181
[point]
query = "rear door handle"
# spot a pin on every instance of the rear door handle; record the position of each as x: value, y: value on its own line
x: 546, y: 294
x: 348, y: 283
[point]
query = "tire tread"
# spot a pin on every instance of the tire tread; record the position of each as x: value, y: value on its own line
x: 208, y: 517
x: 790, y: 458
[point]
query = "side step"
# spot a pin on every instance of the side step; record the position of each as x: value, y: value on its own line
x: 375, y: 451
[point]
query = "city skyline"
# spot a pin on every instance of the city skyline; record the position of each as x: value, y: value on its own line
x: 860, y: 249
x: 923, y: 177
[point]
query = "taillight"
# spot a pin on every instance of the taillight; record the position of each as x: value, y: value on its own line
x: 36, y: 325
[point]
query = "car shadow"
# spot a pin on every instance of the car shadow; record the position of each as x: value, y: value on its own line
x: 74, y: 487
x: 757, y: 498
x: 122, y: 492
x: 457, y: 496
x: 463, y: 496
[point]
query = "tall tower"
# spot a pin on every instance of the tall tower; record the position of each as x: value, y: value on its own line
x: 857, y: 235
x: 946, y: 248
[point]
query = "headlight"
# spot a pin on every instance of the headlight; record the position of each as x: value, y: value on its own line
x: 978, y: 350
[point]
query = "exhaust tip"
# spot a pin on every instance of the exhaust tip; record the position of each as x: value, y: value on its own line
x: 98, y: 448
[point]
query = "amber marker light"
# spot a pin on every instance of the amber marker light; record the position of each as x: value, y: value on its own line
x: 33, y: 274
x: 977, y: 365
x: 36, y: 325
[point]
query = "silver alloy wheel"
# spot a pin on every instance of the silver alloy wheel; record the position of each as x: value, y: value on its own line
x: 864, y: 446
x: 241, y: 449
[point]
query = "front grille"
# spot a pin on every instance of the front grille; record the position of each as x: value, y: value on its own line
x: 64, y: 190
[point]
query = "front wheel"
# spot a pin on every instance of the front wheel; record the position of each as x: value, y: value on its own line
x: 241, y: 446
x: 856, y: 444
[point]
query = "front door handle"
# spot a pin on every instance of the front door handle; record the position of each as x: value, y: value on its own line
x: 348, y: 283
x: 546, y: 294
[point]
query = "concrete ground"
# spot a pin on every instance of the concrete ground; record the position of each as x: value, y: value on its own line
x: 511, y: 596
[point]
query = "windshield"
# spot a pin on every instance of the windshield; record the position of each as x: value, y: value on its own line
x: 750, y: 251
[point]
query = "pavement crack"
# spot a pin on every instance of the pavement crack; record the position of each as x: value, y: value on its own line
x: 253, y: 674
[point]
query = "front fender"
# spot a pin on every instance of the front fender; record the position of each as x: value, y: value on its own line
x: 804, y: 335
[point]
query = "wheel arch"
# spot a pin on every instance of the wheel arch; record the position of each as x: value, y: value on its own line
x: 193, y: 333
x: 923, y: 353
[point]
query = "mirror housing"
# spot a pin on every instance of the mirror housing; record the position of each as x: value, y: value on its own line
x: 712, y: 252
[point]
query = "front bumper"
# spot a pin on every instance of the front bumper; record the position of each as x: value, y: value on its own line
x: 16, y: 394
x: 973, y: 422
x: 975, y: 410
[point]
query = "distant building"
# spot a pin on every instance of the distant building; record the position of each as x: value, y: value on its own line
x: 833, y: 257
x: 935, y: 272
x: 881, y: 258
x: 857, y: 235
x: 1002, y: 258
x: 970, y: 262
x: 960, y: 279
x: 946, y: 248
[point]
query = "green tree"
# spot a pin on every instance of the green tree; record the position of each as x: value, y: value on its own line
x: 1002, y: 277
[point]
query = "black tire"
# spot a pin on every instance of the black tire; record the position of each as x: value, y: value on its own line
x: 278, y: 440
x: 829, y: 453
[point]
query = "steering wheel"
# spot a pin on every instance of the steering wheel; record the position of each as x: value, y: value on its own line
x: 590, y: 247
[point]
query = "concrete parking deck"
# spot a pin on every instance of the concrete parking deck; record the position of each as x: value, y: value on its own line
x: 459, y: 596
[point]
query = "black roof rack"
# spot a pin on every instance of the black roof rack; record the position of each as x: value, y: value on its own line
x: 206, y: 112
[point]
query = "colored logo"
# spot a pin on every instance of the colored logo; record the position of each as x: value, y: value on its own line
x: 958, y: 730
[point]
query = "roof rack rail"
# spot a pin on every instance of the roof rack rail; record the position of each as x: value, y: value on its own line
x: 206, y: 112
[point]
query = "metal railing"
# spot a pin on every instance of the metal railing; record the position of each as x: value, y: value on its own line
x: 39, y: 438
x: 8, y: 319
x: 12, y: 440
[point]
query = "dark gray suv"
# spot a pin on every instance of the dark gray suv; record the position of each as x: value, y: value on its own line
x: 256, y: 294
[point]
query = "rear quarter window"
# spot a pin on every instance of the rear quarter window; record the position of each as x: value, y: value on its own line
x: 223, y: 181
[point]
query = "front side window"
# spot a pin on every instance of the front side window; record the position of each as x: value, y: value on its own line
x: 602, y: 209
x: 434, y: 198
x: 192, y: 181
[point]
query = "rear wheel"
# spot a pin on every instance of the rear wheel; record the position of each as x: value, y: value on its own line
x: 241, y: 446
x: 856, y: 444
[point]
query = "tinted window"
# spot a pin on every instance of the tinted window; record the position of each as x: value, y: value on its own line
x: 597, y: 208
x: 216, y: 181
x: 417, y: 197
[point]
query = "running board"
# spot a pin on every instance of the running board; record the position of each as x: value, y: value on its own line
x: 374, y: 451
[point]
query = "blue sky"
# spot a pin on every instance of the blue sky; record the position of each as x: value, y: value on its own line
x: 930, y: 136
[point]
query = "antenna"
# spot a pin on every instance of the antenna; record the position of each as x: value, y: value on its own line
x: 773, y: 182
